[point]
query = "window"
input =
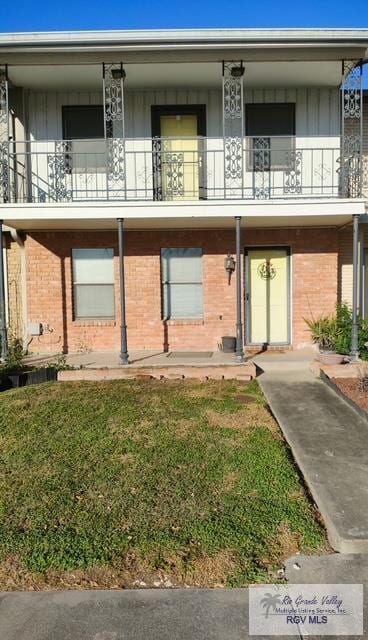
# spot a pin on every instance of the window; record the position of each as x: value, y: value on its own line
x: 272, y: 127
x: 182, y: 283
x: 84, y: 127
x: 83, y: 122
x: 93, y: 282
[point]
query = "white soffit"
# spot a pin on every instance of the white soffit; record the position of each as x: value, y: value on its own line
x: 176, y: 75
x: 47, y: 224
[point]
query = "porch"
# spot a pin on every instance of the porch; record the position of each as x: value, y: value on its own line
x: 175, y: 365
x: 179, y: 289
x: 145, y: 363
x: 181, y: 131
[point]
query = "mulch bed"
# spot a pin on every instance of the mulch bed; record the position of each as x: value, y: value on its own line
x: 352, y: 388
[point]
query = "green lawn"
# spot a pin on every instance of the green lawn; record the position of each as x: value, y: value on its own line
x: 137, y: 482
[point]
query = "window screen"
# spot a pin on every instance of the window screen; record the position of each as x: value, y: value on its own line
x: 93, y: 281
x: 182, y: 282
x: 272, y: 127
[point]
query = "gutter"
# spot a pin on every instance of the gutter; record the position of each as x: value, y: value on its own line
x: 186, y: 38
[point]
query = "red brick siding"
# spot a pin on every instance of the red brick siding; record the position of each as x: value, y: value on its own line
x: 49, y: 277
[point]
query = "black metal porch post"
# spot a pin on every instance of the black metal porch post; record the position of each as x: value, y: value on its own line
x: 124, y: 356
x: 239, y: 327
x: 354, y: 353
x: 3, y: 331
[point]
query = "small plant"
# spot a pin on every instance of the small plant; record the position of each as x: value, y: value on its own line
x: 323, y: 331
x: 59, y: 363
x: 363, y: 381
x: 14, y: 360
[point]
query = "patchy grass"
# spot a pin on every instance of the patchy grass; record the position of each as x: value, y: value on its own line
x: 146, y: 483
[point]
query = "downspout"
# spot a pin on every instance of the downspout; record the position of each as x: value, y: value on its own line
x: 239, y: 325
x: 124, y: 356
x: 3, y: 327
x: 19, y: 237
x: 354, y: 353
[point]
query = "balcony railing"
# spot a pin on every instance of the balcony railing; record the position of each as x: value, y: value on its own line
x: 171, y: 169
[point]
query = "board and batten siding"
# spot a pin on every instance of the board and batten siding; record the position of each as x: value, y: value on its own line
x: 317, y: 130
x: 317, y: 109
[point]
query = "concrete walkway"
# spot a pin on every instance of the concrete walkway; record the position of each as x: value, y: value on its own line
x: 162, y: 614
x: 329, y: 443
x: 147, y: 614
x: 332, y: 569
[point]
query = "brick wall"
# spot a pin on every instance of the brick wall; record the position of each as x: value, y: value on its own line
x: 49, y: 286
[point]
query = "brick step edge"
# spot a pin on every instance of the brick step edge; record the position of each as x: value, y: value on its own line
x: 244, y: 372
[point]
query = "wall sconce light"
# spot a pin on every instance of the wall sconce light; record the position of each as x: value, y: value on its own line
x: 237, y: 72
x: 229, y: 266
x: 118, y: 73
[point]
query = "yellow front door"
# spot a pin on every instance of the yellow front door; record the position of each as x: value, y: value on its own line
x: 179, y: 157
x: 268, y: 296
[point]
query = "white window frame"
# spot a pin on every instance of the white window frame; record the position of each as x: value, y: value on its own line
x: 76, y: 284
x: 166, y: 284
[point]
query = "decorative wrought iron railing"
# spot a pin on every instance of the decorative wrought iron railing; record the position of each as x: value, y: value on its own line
x: 178, y: 169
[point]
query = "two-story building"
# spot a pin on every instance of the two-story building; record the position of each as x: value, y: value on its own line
x: 162, y: 189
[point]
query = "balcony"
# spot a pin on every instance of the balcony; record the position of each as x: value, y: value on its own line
x: 169, y: 169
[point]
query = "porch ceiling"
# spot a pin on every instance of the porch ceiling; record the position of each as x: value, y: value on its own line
x: 179, y: 223
x: 302, y: 213
x: 87, y: 77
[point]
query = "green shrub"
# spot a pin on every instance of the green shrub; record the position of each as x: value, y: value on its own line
x: 344, y: 316
x: 333, y: 332
x: 323, y: 332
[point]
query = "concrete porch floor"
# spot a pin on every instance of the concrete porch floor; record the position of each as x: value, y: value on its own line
x: 106, y: 365
x: 150, y: 358
x: 139, y: 359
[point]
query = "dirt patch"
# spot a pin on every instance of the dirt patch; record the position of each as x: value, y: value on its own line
x: 13, y: 576
x: 230, y: 480
x: 211, y: 571
x: 245, y: 398
x: 218, y: 389
x: 299, y: 494
x: 127, y: 458
x: 206, y: 571
x: 354, y: 389
x: 251, y: 416
x: 184, y: 426
x: 286, y: 543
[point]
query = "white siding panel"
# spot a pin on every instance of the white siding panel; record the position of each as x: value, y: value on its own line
x: 317, y: 127
x: 317, y: 110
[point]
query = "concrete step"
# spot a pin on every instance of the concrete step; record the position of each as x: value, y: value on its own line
x: 244, y: 372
